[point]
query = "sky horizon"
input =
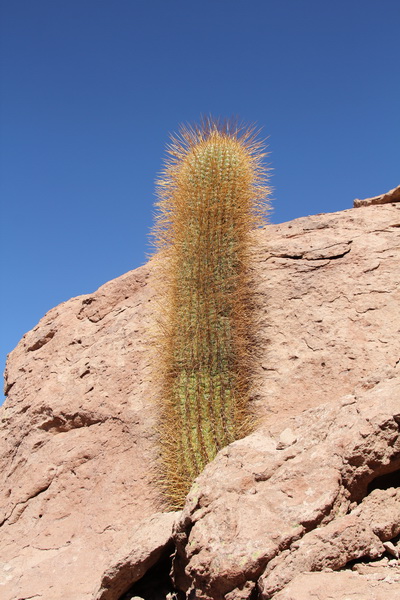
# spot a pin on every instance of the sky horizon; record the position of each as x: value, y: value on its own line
x: 91, y: 91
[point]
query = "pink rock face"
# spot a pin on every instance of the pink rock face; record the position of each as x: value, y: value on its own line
x: 78, y: 496
x: 329, y: 296
x: 260, y: 513
x: 77, y: 443
x: 341, y: 586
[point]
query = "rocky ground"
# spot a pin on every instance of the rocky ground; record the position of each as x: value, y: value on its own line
x: 308, y: 506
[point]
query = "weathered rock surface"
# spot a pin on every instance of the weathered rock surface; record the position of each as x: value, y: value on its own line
x: 329, y: 288
x: 142, y: 549
x: 391, y: 196
x: 360, y: 534
x: 78, y: 430
x: 77, y: 443
x: 340, y: 586
x: 253, y: 513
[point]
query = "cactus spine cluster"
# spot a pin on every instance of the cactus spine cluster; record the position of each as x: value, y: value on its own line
x: 211, y: 196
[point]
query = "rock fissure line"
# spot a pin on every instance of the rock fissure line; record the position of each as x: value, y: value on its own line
x: 25, y: 502
x: 374, y: 292
x: 49, y: 549
x: 310, y: 347
x: 303, y: 255
x: 310, y: 268
x: 290, y: 236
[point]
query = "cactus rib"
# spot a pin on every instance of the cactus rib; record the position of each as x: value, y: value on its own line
x: 211, y: 195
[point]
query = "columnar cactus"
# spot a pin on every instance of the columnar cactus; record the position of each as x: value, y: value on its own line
x: 211, y: 196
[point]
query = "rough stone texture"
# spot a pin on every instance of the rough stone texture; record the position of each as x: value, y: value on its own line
x: 329, y: 288
x: 143, y: 548
x: 360, y: 534
x: 77, y: 443
x: 391, y: 196
x: 340, y: 586
x: 77, y: 432
x: 246, y: 512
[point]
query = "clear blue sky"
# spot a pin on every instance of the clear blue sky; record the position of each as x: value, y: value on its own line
x: 91, y: 89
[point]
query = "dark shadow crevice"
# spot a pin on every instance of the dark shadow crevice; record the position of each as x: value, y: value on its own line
x: 384, y: 482
x: 156, y: 583
x: 351, y: 565
x: 381, y: 476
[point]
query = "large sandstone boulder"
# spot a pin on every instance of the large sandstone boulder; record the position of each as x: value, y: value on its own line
x: 266, y: 511
x: 79, y: 506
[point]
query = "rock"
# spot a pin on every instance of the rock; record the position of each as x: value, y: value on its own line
x: 339, y: 586
x: 78, y: 429
x: 242, y: 593
x: 257, y: 513
x: 77, y: 443
x: 286, y: 438
x: 356, y: 535
x: 391, y: 548
x: 379, y: 569
x: 391, y: 196
x: 143, y: 548
x: 328, y: 291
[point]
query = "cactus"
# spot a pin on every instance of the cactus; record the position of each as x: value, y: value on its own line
x: 211, y: 196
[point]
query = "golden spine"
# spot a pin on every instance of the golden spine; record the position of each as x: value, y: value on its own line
x: 211, y: 196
